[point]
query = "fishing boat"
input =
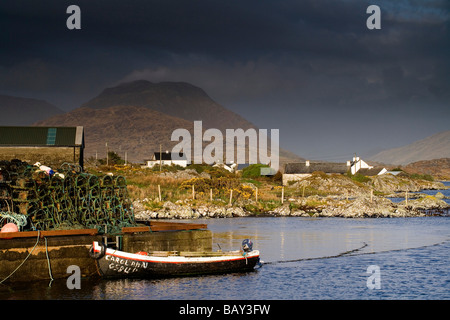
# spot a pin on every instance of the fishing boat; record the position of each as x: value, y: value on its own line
x: 114, y: 263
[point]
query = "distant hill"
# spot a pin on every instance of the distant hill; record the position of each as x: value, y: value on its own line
x: 433, y: 147
x: 139, y: 116
x: 16, y: 111
x: 438, y: 168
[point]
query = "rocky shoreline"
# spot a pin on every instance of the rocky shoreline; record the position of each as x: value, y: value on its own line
x: 203, y: 191
x: 335, y: 196
x: 360, y: 207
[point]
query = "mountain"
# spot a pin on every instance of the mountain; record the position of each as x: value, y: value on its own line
x: 16, y: 111
x: 178, y: 99
x: 139, y: 116
x: 433, y: 147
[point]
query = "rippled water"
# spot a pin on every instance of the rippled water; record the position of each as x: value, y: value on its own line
x: 305, y: 258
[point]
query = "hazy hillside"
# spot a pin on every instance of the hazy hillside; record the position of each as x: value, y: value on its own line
x: 433, y: 147
x: 17, y: 111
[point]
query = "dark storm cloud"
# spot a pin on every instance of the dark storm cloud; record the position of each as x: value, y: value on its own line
x: 274, y: 62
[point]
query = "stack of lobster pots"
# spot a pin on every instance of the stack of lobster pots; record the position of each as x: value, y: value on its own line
x: 36, y: 197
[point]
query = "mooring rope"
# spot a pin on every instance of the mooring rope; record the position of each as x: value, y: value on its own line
x: 37, y: 241
x: 19, y: 219
x: 48, y: 263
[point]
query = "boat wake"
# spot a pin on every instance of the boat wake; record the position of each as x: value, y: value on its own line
x: 354, y: 252
x: 318, y: 258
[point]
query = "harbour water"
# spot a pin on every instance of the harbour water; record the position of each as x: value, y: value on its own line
x: 304, y: 259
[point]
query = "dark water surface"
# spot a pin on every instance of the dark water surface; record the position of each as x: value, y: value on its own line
x: 305, y: 258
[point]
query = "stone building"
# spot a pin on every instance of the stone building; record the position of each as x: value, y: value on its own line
x: 51, y: 146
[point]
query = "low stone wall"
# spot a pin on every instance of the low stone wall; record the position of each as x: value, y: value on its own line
x: 62, y: 252
x: 49, y: 156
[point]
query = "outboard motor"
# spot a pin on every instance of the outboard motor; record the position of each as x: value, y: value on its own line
x: 247, y: 245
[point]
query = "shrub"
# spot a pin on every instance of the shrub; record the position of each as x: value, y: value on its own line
x: 360, y: 178
x: 253, y: 170
x: 418, y: 176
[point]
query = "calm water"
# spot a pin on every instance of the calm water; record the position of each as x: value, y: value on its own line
x: 305, y: 258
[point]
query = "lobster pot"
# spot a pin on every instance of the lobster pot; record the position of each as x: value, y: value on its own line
x: 66, y: 198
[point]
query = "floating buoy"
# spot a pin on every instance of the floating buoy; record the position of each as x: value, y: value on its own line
x: 98, y: 254
x: 10, y: 227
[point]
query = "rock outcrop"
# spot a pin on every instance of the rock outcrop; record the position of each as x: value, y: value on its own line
x: 387, y: 183
x: 181, y: 210
x: 360, y: 207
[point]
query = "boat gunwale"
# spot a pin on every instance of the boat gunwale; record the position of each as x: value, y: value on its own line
x: 175, y: 258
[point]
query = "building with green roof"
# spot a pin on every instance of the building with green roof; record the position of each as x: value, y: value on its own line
x: 51, y: 146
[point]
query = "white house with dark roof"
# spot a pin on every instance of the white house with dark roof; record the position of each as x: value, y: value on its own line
x: 166, y: 159
x: 300, y: 170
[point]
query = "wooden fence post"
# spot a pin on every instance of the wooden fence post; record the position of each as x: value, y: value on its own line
x: 159, y: 192
x: 282, y: 194
x: 193, y: 192
x: 231, y: 195
x: 256, y: 194
x: 210, y: 195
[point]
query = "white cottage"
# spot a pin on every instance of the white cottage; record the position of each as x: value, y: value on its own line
x: 358, y: 164
x: 167, y: 159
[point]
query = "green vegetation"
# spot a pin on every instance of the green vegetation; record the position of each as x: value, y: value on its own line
x: 417, y: 176
x: 360, y: 178
x: 253, y: 170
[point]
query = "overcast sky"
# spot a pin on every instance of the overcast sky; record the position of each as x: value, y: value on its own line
x: 311, y: 69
